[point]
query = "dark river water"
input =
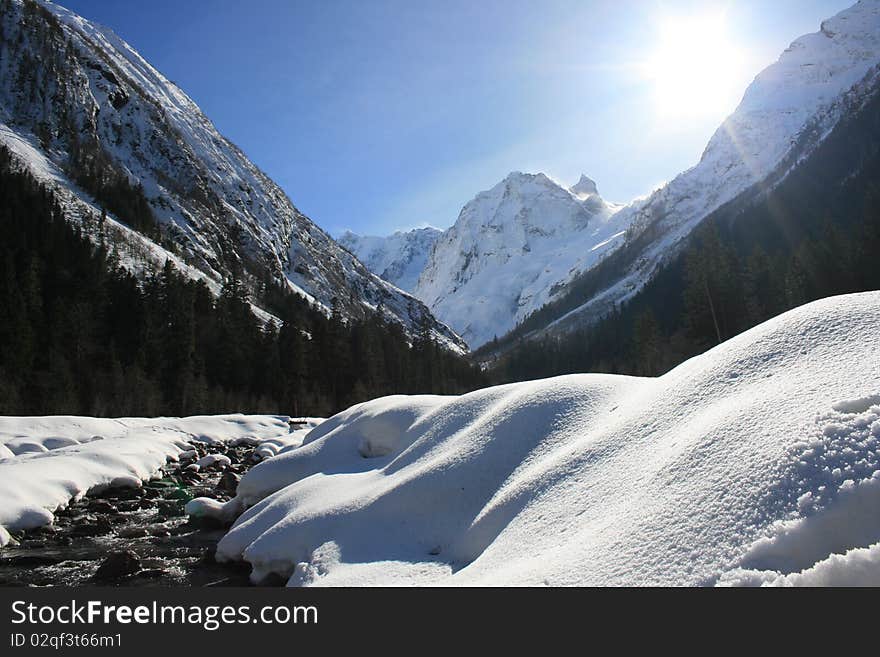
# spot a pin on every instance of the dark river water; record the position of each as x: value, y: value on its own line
x: 134, y: 537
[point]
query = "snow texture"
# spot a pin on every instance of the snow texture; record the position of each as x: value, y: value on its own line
x: 756, y: 462
x: 47, y: 461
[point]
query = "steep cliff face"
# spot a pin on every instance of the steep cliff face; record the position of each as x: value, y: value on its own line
x: 511, y: 249
x: 88, y: 113
x: 398, y: 258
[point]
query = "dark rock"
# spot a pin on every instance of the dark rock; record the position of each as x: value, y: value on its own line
x: 85, y: 529
x: 147, y: 504
x: 151, y: 573
x: 132, y: 532
x: 101, y: 506
x: 118, y: 565
x: 98, y: 528
x: 169, y: 508
x: 209, y: 556
x: 229, y: 482
x: 192, y: 478
x: 176, y: 495
x: 207, y: 523
x: 33, y: 560
x: 273, y: 579
x: 123, y: 493
x: 129, y: 505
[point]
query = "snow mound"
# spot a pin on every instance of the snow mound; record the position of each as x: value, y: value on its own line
x: 300, y: 427
x: 47, y: 461
x: 745, y: 464
x: 837, y: 474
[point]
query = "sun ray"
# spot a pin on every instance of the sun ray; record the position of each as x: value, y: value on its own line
x: 695, y: 66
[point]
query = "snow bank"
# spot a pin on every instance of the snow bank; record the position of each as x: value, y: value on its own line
x: 753, y: 462
x: 300, y: 427
x: 46, y: 461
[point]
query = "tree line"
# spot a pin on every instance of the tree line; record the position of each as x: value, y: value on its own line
x: 81, y: 335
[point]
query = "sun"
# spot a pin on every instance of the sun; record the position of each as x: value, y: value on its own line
x: 695, y: 67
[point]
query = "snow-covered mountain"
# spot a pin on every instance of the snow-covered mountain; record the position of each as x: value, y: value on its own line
x: 398, y: 258
x: 510, y: 249
x: 525, y: 242
x: 88, y: 115
x: 787, y: 111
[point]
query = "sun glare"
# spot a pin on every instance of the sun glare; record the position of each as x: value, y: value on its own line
x: 696, y: 69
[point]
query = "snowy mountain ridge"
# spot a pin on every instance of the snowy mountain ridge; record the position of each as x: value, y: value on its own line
x: 398, y: 258
x: 92, y: 106
x: 510, y: 249
x: 477, y: 283
x: 785, y: 113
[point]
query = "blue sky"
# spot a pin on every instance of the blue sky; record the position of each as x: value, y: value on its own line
x: 383, y: 115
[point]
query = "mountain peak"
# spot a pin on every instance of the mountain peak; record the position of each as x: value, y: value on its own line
x: 520, y: 178
x: 584, y: 187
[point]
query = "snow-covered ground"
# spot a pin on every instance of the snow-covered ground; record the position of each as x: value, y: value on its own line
x: 47, y: 461
x: 756, y: 462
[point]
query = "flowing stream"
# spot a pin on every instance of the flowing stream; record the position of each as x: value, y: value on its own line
x: 135, y: 536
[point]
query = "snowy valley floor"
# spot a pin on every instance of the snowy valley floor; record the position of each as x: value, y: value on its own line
x: 757, y: 462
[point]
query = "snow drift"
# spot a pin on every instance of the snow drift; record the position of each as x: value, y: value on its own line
x: 756, y: 462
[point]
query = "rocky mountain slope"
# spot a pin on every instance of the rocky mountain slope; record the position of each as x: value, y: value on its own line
x: 511, y: 248
x: 88, y: 115
x: 787, y: 111
x: 398, y: 258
